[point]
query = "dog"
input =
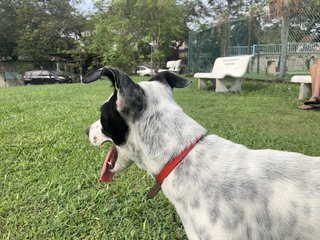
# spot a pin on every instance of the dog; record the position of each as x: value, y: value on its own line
x: 220, y: 189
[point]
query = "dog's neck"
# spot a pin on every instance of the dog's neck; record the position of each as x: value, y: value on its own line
x: 151, y: 150
x: 168, y: 168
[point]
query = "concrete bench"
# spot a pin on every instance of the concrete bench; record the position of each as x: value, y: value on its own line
x: 173, y: 66
x: 305, y: 85
x: 225, y: 69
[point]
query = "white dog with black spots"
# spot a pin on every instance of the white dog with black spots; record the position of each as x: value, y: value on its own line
x: 220, y: 189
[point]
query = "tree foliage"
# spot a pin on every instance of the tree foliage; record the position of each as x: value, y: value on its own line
x: 122, y: 33
x: 126, y: 30
x: 8, y: 33
x: 32, y: 29
x: 47, y: 27
x: 125, y: 33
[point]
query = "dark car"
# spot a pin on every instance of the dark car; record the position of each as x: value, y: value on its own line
x: 45, y: 76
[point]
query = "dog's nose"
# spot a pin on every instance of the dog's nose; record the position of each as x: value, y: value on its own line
x: 88, y: 131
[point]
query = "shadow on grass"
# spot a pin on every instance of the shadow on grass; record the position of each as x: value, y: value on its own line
x: 253, y: 86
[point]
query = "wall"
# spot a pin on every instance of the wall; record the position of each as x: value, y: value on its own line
x: 295, y: 63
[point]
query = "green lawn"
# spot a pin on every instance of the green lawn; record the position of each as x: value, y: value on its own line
x: 49, y: 171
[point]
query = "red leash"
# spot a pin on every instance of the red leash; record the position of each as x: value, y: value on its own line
x: 167, y: 169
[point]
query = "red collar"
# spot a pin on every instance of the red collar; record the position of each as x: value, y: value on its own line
x: 167, y: 169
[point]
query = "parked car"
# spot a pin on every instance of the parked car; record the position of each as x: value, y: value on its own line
x: 45, y: 76
x: 145, y: 71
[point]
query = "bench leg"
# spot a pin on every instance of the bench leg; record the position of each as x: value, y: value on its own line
x: 236, y: 85
x: 305, y: 91
x: 202, y: 83
x: 221, y: 85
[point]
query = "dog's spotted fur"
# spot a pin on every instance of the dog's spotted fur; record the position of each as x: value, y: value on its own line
x: 221, y: 190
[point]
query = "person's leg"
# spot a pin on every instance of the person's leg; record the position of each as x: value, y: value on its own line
x: 315, y: 87
x: 315, y: 79
x: 313, y: 70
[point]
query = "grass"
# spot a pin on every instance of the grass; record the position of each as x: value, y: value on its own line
x: 49, y: 171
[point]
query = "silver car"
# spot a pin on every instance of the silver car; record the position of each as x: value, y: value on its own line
x: 145, y: 71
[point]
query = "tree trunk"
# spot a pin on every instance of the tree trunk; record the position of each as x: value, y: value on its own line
x: 225, y: 40
x: 284, y: 40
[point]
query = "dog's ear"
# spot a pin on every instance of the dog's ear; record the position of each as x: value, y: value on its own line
x: 93, y: 75
x: 116, y: 76
x: 121, y: 81
x: 171, y: 79
x: 130, y: 96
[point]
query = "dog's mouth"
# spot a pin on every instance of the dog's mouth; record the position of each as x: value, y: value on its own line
x: 106, y: 175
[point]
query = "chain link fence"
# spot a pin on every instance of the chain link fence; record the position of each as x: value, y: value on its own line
x: 272, y: 33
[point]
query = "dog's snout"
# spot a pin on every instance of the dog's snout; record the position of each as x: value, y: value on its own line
x: 88, y: 131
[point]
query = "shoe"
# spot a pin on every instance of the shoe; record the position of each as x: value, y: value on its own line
x: 313, y: 101
x: 309, y: 107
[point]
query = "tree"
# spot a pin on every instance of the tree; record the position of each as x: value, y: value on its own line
x: 285, y: 9
x: 236, y: 21
x: 46, y: 27
x: 8, y: 33
x: 128, y: 30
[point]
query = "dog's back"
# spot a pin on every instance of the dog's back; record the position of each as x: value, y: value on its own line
x: 224, y: 190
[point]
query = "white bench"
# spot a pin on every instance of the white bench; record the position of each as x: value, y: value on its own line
x: 225, y: 69
x: 305, y: 85
x: 172, y: 66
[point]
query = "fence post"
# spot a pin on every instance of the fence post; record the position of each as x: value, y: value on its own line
x: 191, y: 56
x: 256, y: 53
x: 5, y: 79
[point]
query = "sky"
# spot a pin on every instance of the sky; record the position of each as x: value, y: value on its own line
x: 86, y: 6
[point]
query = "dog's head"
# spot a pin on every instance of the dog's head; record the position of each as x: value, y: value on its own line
x: 128, y: 104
